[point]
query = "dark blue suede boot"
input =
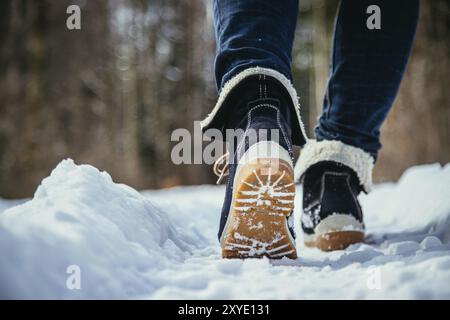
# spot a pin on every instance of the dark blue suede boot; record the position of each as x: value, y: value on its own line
x: 257, y: 214
x: 333, y: 175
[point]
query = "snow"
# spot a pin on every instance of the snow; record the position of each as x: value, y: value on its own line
x: 163, y: 244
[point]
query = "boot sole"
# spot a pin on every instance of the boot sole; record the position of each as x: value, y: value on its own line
x: 257, y: 223
x: 338, y: 240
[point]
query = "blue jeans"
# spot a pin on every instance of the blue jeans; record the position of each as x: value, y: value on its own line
x: 366, y: 65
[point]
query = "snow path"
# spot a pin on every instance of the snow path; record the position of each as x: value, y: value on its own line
x: 162, y: 244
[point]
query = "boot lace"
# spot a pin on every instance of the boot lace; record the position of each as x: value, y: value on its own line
x: 221, y: 166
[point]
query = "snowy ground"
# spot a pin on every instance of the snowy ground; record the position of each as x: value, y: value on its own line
x: 162, y: 244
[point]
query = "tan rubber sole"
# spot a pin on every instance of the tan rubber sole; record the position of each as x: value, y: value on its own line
x: 338, y: 240
x: 263, y: 198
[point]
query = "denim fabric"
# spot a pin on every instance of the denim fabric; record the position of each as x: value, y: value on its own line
x: 366, y: 69
x: 366, y: 65
x: 251, y: 33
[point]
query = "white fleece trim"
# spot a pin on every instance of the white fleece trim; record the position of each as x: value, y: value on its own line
x: 332, y: 150
x: 233, y: 82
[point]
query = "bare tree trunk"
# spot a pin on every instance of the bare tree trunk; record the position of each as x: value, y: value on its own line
x: 417, y: 130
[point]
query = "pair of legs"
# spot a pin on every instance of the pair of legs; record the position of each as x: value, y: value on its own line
x: 254, y: 39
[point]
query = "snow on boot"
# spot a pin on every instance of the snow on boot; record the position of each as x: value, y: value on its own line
x: 256, y: 218
x: 333, y: 174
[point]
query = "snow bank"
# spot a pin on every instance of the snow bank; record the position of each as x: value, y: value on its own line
x: 418, y: 204
x: 78, y: 216
x: 7, y: 203
x: 163, y: 244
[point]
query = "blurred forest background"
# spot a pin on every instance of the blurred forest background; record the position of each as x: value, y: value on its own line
x: 111, y: 93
